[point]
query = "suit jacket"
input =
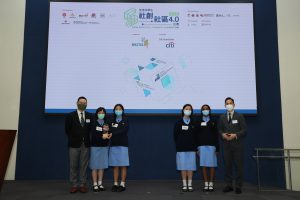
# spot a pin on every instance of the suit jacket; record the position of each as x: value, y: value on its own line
x: 75, y: 132
x: 237, y: 125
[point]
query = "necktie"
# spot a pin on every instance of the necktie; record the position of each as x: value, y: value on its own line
x: 82, y: 120
x: 229, y: 118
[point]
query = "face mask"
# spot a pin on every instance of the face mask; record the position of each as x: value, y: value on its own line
x: 81, y: 106
x: 229, y: 107
x: 118, y: 112
x: 205, y: 112
x: 101, y: 116
x: 187, y: 112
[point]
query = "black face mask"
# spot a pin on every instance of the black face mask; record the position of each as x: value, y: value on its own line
x: 81, y: 106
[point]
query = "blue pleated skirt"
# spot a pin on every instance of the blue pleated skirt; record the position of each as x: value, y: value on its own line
x: 208, y: 156
x: 118, y: 156
x: 186, y: 161
x: 99, y: 158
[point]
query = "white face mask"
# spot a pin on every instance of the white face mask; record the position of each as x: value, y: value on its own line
x: 229, y: 107
x: 187, y: 112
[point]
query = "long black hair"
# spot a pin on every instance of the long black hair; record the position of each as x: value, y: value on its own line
x: 122, y: 107
x: 186, y: 105
x: 202, y: 109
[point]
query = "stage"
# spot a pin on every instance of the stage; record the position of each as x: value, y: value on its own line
x: 135, y: 190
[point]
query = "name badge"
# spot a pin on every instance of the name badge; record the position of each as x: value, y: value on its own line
x: 235, y: 122
x: 87, y: 120
x: 185, y: 128
x: 115, y: 125
x: 98, y: 128
x: 203, y: 124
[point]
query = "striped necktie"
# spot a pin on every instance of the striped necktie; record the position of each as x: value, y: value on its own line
x: 229, y: 118
x: 81, y: 120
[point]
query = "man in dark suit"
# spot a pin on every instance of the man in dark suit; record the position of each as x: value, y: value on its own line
x: 232, y: 128
x: 78, y: 128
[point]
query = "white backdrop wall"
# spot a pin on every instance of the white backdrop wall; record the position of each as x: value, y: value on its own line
x: 12, y: 17
x: 288, y: 16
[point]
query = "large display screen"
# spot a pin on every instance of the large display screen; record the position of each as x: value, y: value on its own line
x: 151, y: 57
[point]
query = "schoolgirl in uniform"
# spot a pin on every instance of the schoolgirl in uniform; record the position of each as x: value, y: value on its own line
x: 99, y: 149
x: 208, y: 146
x: 184, y: 136
x: 118, y: 152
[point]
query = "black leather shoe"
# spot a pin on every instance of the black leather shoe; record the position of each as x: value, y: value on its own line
x: 121, y: 188
x: 228, y: 189
x: 184, y: 189
x: 101, y: 188
x: 96, y: 188
x: 114, y: 188
x: 190, y: 189
x: 205, y: 189
x: 238, y: 190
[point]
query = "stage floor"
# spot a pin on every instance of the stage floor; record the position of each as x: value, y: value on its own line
x: 135, y: 190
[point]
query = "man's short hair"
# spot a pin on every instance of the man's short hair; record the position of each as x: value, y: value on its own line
x: 229, y: 98
x: 82, y: 97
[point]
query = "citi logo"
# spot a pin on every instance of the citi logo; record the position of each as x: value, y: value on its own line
x: 170, y: 45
